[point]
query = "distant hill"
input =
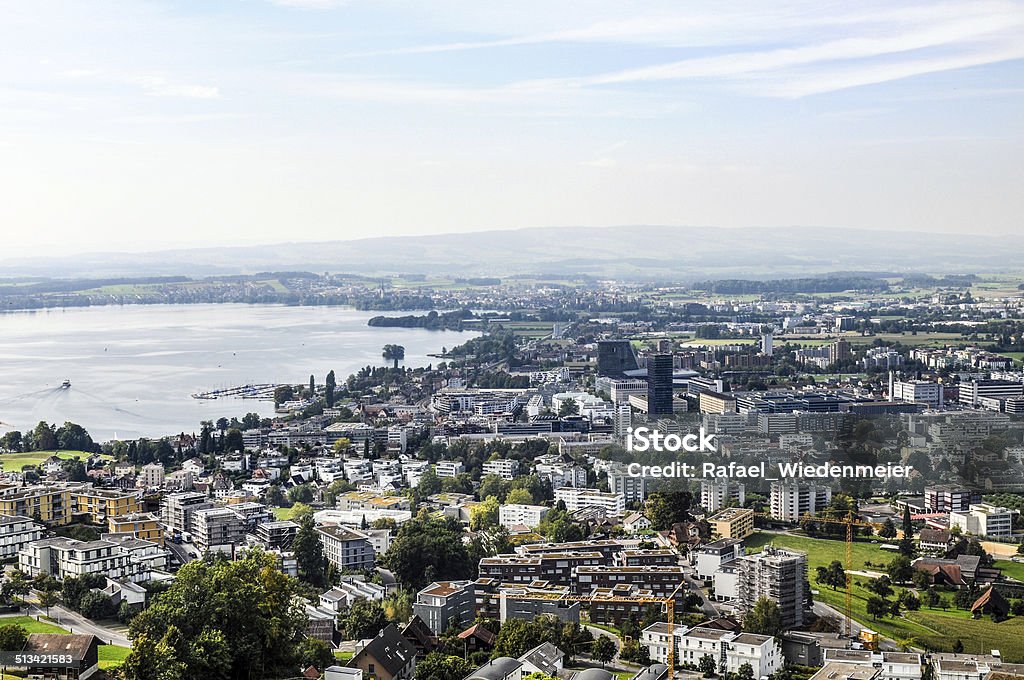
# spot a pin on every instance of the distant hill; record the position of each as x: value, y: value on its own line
x: 637, y: 252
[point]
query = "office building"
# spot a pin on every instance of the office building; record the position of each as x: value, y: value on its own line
x: 659, y: 385
x: 919, y: 391
x: 984, y: 519
x: 615, y: 358
x: 949, y: 498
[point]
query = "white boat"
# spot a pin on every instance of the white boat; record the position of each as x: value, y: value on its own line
x: 65, y: 385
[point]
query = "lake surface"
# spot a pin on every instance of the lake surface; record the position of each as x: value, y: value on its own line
x: 133, y: 368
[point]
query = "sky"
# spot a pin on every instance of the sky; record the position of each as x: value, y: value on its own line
x: 139, y: 124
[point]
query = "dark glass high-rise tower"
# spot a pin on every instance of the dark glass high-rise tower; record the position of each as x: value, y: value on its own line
x: 659, y: 384
x: 615, y: 357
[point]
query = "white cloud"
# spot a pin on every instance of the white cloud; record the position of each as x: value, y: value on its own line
x: 156, y: 86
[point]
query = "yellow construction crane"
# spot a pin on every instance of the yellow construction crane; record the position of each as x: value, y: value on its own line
x: 668, y: 602
x: 850, y: 521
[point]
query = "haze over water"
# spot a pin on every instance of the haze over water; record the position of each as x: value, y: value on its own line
x: 133, y: 368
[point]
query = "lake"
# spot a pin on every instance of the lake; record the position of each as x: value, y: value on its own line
x: 133, y: 368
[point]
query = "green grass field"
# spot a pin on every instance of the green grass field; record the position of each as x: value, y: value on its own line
x: 110, y: 655
x: 13, y: 462
x: 932, y: 628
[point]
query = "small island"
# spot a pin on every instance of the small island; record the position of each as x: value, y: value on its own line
x: 446, y: 321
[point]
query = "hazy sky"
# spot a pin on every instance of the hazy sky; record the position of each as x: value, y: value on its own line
x: 141, y: 124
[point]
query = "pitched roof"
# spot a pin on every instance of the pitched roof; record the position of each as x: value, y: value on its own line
x: 496, y: 669
x: 418, y: 632
x: 545, y: 657
x: 53, y: 643
x: 480, y: 633
x: 389, y: 650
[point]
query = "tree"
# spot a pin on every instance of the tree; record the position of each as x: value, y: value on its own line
x: 666, y: 508
x: 426, y: 549
x: 706, y: 666
x: 833, y: 575
x: 282, y: 394
x: 877, y: 606
x: 603, y: 649
x: 440, y: 666
x: 900, y: 569
x: 309, y: 552
x: 393, y: 353
x: 764, y: 618
x: 221, y: 620
x: 746, y: 672
x: 931, y: 597
x: 907, y: 542
x: 429, y: 483
x: 233, y: 440
x: 958, y: 646
x: 880, y: 586
x: 569, y: 407
x: 364, y: 619
x: 493, y: 485
x: 44, y: 438
x: 95, y: 605
x: 47, y: 598
x: 13, y: 637
x: 300, y: 494
x: 484, y: 515
x: 888, y: 529
x: 315, y: 653
x: 519, y: 497
x: 329, y: 385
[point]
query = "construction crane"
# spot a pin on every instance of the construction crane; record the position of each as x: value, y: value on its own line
x: 850, y: 521
x: 668, y: 603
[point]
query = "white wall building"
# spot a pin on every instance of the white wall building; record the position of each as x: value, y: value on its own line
x: 527, y: 515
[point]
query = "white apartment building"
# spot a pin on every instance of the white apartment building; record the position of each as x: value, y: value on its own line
x: 730, y: 650
x: 721, y: 492
x: 449, y: 468
x: 791, y: 500
x: 64, y: 557
x: 574, y: 499
x: 16, y: 532
x: 527, y: 515
x: 893, y: 665
x: 632, y: 488
x: 984, y: 519
x: 346, y: 549
x: 506, y: 468
x: 151, y: 476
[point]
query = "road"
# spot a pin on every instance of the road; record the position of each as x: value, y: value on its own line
x: 77, y: 623
x: 707, y: 606
x: 823, y: 610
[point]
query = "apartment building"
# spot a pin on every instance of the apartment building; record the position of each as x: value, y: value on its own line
x: 708, y: 558
x: 99, y: 504
x: 347, y: 549
x: 779, y: 575
x: 144, y: 525
x: 506, y: 468
x: 217, y: 529
x: 49, y: 504
x: 526, y: 515
x: 16, y: 532
x: 65, y: 557
x: 443, y: 604
x: 721, y: 492
x: 732, y: 523
x: 893, y: 665
x: 151, y: 476
x: 558, y: 568
x: 633, y: 488
x: 729, y: 649
x: 792, y: 500
x: 575, y: 499
x: 949, y: 498
x: 176, y: 509
x: 661, y: 582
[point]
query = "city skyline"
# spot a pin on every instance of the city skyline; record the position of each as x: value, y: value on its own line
x: 150, y: 125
